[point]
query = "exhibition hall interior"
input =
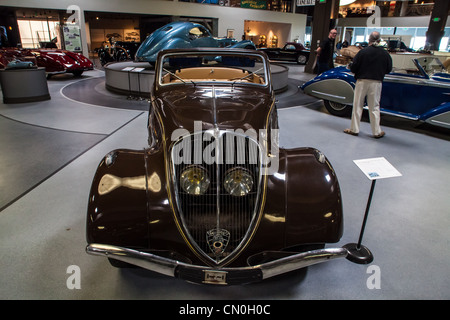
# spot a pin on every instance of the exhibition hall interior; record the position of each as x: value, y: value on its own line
x: 207, y: 150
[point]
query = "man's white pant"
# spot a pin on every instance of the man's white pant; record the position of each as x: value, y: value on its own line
x: 372, y: 90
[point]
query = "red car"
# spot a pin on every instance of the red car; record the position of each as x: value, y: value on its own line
x: 58, y: 61
x: 54, y: 61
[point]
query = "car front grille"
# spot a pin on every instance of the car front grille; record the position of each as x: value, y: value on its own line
x: 217, y: 223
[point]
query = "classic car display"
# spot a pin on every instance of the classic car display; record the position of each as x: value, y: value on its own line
x: 213, y: 199
x: 56, y: 61
x: 292, y: 51
x: 183, y: 35
x: 9, y: 55
x: 421, y: 94
x: 113, y: 51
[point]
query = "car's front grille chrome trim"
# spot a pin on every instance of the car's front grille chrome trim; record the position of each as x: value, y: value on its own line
x: 216, y: 223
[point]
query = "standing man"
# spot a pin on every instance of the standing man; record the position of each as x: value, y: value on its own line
x: 3, y: 38
x: 325, y: 53
x: 370, y: 65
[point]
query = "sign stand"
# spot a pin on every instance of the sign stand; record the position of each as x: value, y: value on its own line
x: 374, y: 169
x: 139, y: 70
x: 128, y: 70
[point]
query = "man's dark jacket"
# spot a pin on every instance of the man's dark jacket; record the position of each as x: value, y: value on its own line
x: 372, y: 63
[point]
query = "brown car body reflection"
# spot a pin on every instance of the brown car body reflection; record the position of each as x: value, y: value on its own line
x: 214, y: 199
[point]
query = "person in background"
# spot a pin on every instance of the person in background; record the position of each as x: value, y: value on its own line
x: 325, y: 53
x: 370, y: 65
x: 3, y: 38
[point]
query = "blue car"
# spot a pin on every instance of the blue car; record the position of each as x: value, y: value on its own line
x: 421, y: 93
x: 182, y: 35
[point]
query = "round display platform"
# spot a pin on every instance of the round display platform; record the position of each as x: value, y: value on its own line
x: 136, y: 78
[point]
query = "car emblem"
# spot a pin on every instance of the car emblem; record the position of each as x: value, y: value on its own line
x: 217, y: 240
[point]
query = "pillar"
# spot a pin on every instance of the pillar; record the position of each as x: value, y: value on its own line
x: 321, y: 25
x: 437, y: 23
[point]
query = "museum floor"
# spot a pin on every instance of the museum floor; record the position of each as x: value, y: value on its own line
x: 50, y: 151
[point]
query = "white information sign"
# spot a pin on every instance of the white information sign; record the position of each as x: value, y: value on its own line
x: 377, y: 168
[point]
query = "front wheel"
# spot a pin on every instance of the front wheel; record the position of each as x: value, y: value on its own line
x: 302, y: 59
x: 338, y: 109
x: 77, y: 73
x: 104, y: 57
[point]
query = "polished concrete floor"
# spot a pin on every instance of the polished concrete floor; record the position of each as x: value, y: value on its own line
x: 50, y: 151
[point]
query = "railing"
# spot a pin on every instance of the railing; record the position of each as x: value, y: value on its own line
x: 272, y: 5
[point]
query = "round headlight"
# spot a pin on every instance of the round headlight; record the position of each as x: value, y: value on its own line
x: 238, y: 182
x: 194, y: 180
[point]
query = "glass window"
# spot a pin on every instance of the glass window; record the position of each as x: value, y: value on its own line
x: 231, y: 69
x: 389, y: 30
x: 198, y: 32
x: 421, y: 32
x: 34, y: 31
x: 406, y: 31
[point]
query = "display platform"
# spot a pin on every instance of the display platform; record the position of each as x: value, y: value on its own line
x: 24, y: 85
x: 136, y: 78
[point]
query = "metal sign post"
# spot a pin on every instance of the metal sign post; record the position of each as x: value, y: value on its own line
x: 128, y: 70
x: 374, y: 169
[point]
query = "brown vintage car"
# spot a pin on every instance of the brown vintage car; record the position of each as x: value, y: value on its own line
x: 214, y: 199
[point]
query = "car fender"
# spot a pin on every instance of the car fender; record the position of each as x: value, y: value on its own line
x: 244, y: 44
x: 50, y: 64
x: 117, y: 206
x: 335, y: 85
x: 336, y: 90
x: 303, y: 193
x: 439, y: 116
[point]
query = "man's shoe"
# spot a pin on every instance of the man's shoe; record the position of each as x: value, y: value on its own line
x: 348, y: 131
x: 381, y: 135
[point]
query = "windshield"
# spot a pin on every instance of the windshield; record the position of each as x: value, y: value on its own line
x: 423, y: 67
x: 430, y: 64
x: 213, y: 67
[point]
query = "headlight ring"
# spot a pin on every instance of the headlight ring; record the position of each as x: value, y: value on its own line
x: 238, y: 182
x: 194, y: 180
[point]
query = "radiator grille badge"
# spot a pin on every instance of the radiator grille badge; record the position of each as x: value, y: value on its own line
x: 217, y: 241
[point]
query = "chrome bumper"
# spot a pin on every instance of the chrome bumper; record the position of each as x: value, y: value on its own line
x: 210, y: 275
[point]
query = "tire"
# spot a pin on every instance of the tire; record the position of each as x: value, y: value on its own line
x: 104, y: 58
x: 77, y: 73
x: 122, y: 57
x: 338, y: 109
x: 301, y: 59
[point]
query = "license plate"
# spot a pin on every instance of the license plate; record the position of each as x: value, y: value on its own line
x: 215, y: 277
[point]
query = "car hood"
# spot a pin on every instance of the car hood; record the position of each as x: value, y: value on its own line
x: 226, y: 108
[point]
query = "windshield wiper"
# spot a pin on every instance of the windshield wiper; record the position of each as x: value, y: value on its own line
x: 250, y: 74
x: 179, y: 78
